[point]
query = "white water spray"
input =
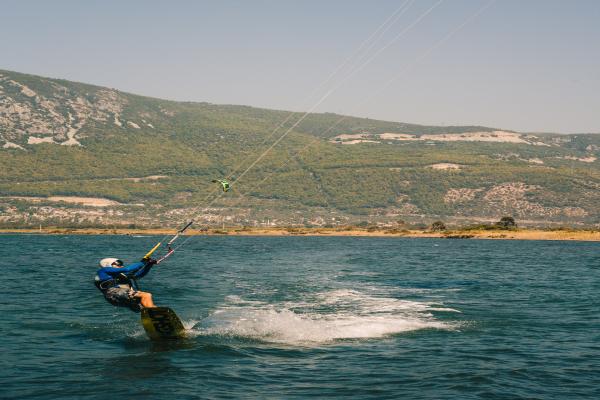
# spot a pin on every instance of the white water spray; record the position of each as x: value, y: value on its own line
x: 325, y: 317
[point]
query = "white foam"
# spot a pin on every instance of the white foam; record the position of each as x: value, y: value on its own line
x: 326, y: 317
x: 189, y: 324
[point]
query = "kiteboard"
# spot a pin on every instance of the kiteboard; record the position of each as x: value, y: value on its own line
x: 162, y: 323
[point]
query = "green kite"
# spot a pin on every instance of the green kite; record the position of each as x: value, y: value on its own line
x: 224, y: 183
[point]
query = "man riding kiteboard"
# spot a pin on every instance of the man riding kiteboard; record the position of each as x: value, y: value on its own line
x: 118, y: 283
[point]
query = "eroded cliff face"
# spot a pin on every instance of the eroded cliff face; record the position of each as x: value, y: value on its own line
x: 56, y: 115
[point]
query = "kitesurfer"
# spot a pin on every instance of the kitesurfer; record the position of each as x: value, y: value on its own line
x: 118, y: 283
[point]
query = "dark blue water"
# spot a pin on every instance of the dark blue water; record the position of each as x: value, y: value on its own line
x: 295, y: 317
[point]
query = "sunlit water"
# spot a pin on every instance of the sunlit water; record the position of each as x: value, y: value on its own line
x: 301, y: 317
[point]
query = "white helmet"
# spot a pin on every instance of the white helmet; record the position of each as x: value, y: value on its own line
x: 107, y: 262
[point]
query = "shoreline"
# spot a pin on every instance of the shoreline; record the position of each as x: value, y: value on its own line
x: 496, y: 234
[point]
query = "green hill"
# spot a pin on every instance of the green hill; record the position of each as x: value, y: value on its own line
x: 156, y: 158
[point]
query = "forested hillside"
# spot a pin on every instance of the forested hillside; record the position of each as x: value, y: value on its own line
x: 152, y: 161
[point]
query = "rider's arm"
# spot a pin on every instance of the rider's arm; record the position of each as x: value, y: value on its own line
x: 128, y: 270
x: 146, y: 268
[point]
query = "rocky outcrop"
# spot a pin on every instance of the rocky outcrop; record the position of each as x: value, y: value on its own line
x: 55, y: 116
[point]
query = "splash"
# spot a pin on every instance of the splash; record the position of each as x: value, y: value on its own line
x: 326, y: 317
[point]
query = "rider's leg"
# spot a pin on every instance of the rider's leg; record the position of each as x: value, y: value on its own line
x: 145, y: 299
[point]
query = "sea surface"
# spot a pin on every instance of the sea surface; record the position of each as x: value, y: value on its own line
x: 305, y: 317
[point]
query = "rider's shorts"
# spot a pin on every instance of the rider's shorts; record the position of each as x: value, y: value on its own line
x: 123, y: 297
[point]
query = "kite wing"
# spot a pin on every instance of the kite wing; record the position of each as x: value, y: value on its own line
x: 224, y: 183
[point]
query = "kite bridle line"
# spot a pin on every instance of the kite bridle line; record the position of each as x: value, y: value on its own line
x: 373, y: 38
x: 369, y: 43
x: 169, y: 244
x: 357, y: 69
x: 394, y: 78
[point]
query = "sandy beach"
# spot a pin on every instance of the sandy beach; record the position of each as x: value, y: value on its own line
x: 517, y: 234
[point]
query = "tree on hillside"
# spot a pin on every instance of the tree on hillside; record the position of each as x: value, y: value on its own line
x: 438, y: 226
x: 507, y: 223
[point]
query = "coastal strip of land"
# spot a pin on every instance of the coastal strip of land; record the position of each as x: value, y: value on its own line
x: 500, y: 234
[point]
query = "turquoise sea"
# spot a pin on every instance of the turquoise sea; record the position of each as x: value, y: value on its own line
x: 306, y: 317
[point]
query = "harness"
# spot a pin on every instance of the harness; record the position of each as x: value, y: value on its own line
x: 122, y: 279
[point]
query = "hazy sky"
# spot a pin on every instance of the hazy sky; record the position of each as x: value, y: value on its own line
x: 527, y: 65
